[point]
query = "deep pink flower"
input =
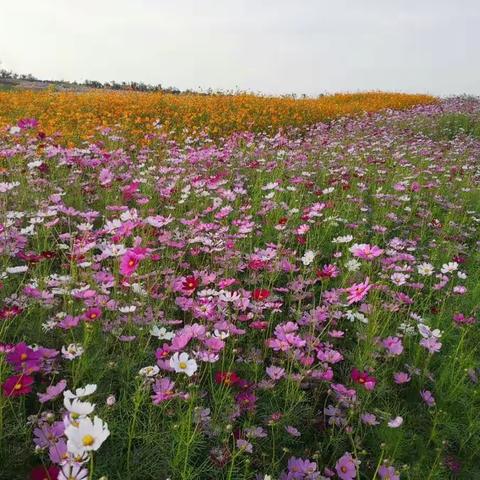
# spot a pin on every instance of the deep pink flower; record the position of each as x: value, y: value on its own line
x: 364, y: 379
x: 17, y: 385
x: 260, y: 294
x: 24, y: 358
x: 44, y: 473
x: 92, y: 314
x: 26, y: 123
x: 130, y: 260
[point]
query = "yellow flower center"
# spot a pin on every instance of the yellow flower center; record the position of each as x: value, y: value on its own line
x: 23, y: 356
x: 88, y: 441
x: 17, y: 386
x: 182, y: 365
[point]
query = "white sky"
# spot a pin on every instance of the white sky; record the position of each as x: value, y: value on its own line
x: 269, y: 46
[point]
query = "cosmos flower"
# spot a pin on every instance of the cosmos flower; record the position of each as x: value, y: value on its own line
x: 72, y: 351
x: 17, y: 385
x: 358, y: 291
x: 131, y: 260
x: 388, y: 473
x: 393, y: 345
x: 260, y: 294
x: 81, y: 392
x: 45, y: 473
x: 428, y: 397
x: 87, y: 436
x: 346, y: 467
x: 53, y: 391
x: 364, y: 379
x: 73, y: 472
x: 395, y: 422
x: 182, y: 363
x: 365, y: 251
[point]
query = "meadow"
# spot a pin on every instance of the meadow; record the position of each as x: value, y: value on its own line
x: 239, y: 288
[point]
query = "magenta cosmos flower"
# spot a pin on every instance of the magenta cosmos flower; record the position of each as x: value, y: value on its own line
x: 17, y: 385
x: 131, y: 259
x: 24, y: 358
x: 364, y: 379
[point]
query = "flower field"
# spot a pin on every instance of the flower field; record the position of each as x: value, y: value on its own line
x: 78, y: 116
x: 189, y: 293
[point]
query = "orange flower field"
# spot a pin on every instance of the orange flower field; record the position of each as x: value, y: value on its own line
x: 77, y: 115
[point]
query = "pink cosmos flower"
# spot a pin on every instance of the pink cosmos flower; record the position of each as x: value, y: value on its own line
x: 428, y: 398
x: 53, y: 391
x: 401, y: 377
x: 395, y: 422
x: 388, y: 473
x: 275, y: 373
x: 431, y: 344
x: 358, y: 291
x: 365, y: 251
x: 163, y: 390
x: 369, y: 419
x: 461, y: 319
x: 393, y: 345
x: 346, y: 467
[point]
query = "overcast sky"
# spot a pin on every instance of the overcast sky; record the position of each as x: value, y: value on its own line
x: 268, y: 46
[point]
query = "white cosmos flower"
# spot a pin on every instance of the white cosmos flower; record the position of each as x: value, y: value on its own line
x: 343, y: 239
x: 149, y: 371
x: 161, y: 333
x: 81, y: 392
x: 74, y: 350
x: 181, y: 363
x: 87, y: 436
x: 73, y: 472
x: 308, y: 257
x: 228, y: 296
x: 395, y: 422
x: 425, y: 269
x: 19, y: 269
x: 426, y: 332
x: 78, y: 408
x: 449, y: 267
x: 222, y: 335
x: 127, y: 309
x: 352, y: 265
